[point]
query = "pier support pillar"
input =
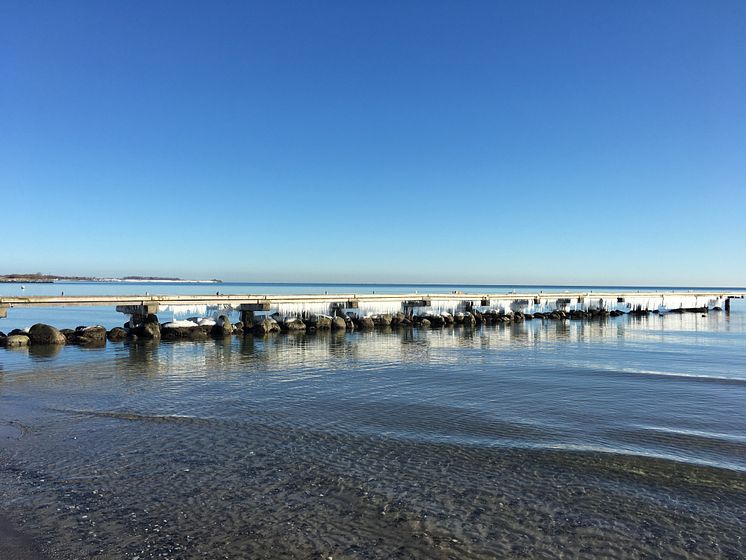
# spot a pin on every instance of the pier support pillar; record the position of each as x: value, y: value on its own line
x: 143, y: 309
x: 727, y: 306
x: 138, y: 313
x: 410, y: 305
x: 248, y: 311
x: 339, y: 308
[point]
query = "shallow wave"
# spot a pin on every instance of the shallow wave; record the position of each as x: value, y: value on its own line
x: 486, y: 434
x: 134, y: 416
x: 736, y: 379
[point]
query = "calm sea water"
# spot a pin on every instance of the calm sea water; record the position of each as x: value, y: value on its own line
x: 621, y: 438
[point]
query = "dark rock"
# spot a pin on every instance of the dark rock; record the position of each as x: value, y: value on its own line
x: 69, y: 335
x: 88, y: 336
x: 172, y: 332
x: 398, y: 318
x: 266, y: 326
x: 116, y: 334
x: 149, y: 330
x: 382, y: 320
x: 45, y: 334
x: 469, y: 320
x: 436, y: 321
x: 365, y: 323
x: 295, y: 325
x: 425, y: 323
x: 320, y: 322
x: 339, y: 324
x: 222, y: 327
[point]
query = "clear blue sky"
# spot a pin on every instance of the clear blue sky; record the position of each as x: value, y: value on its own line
x: 522, y: 142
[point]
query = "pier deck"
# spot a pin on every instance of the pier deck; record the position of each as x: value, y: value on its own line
x: 238, y: 299
x: 372, y: 302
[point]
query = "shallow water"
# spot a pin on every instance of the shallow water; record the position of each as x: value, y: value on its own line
x: 623, y: 438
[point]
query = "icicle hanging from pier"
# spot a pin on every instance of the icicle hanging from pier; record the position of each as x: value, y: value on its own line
x: 196, y: 310
x: 438, y: 306
x: 368, y: 308
x: 303, y: 309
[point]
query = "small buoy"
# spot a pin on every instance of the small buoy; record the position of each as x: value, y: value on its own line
x: 23, y: 287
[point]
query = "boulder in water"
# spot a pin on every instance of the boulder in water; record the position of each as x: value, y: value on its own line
x: 293, y: 324
x: 117, y: 334
x: 365, y: 323
x: 222, y: 327
x: 88, y: 336
x: 16, y: 340
x: 436, y: 321
x: 45, y: 334
x: 184, y: 330
x: 321, y: 322
x: 266, y: 326
x: 150, y: 331
x: 382, y: 320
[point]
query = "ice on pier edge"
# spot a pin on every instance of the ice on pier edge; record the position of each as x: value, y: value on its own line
x: 201, y: 310
x: 299, y: 309
x: 525, y: 303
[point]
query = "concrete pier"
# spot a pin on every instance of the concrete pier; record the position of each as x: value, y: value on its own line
x: 361, y: 305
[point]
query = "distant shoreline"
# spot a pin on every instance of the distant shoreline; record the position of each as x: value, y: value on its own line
x: 51, y: 279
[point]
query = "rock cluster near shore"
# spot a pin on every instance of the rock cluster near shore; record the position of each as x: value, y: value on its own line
x: 194, y: 329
